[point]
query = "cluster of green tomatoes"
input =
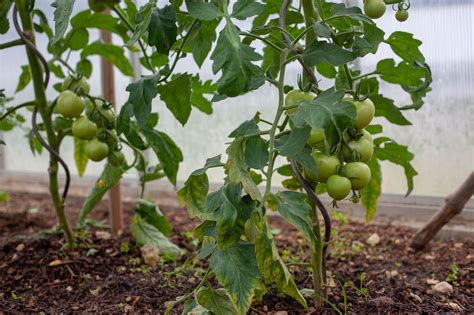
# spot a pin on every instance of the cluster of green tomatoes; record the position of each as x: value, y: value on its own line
x: 91, y: 119
x: 376, y: 9
x: 346, y: 170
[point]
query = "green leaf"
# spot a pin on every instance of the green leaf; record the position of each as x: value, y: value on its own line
x: 62, y: 12
x: 404, y: 73
x: 57, y: 70
x: 398, y: 154
x: 214, y: 161
x: 204, y: 11
x: 89, y: 19
x: 247, y: 128
x: 145, y: 233
x: 215, y: 301
x: 239, y: 74
x: 4, y: 196
x: 237, y: 271
x: 162, y: 30
x: 326, y: 112
x: 295, y: 209
x: 326, y: 70
x: 319, y: 51
x: 370, y: 42
x: 244, y: 9
x: 142, y: 21
x: 237, y: 169
x: 142, y: 93
x: 273, y: 268
x: 80, y: 156
x: 256, y: 152
x: 371, y: 193
x: 113, y: 54
x: 200, y: 40
x: 354, y: 13
x: 177, y: 96
x: 405, y: 46
x: 25, y: 78
x: 384, y: 107
x: 151, y: 213
x: 199, y: 89
x: 84, y: 67
x: 79, y: 39
x: 292, y: 144
x: 4, y: 10
x: 109, y: 177
x: 193, y: 194
x: 166, y: 150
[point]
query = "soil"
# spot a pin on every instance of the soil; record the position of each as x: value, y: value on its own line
x: 101, y: 276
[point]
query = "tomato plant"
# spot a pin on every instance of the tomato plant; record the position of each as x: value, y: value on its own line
x: 319, y: 140
x: 99, y: 134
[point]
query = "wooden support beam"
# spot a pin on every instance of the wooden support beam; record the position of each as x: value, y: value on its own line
x: 453, y: 206
x: 108, y: 90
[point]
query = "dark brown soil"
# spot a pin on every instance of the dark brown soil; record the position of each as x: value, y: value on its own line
x: 99, y: 277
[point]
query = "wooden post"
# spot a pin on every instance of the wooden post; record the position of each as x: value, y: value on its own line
x: 453, y: 206
x: 108, y: 90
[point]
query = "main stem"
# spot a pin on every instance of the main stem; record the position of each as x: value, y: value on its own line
x: 40, y: 96
x: 317, y: 265
x: 273, y: 130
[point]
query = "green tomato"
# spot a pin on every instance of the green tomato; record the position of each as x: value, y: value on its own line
x: 295, y: 96
x: 401, y: 15
x: 69, y: 105
x: 338, y: 187
x: 365, y: 113
x: 316, y: 138
x: 374, y: 8
x: 73, y: 84
x: 363, y: 148
x: 358, y: 173
x: 83, y: 128
x: 325, y: 166
x: 117, y: 158
x: 96, y: 150
x: 367, y: 136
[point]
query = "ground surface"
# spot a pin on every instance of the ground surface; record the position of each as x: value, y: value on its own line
x: 100, y: 277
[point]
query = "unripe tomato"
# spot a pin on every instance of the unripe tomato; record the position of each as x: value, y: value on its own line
x: 338, y: 187
x: 74, y: 84
x: 117, y: 158
x: 83, y: 128
x: 295, y: 96
x: 316, y: 138
x: 325, y: 166
x: 365, y: 113
x: 374, y: 8
x: 401, y: 15
x: 367, y: 136
x: 364, y: 150
x: 358, y: 173
x: 69, y: 105
x: 96, y: 150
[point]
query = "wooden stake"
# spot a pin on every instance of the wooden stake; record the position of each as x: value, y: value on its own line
x: 108, y: 90
x: 453, y: 206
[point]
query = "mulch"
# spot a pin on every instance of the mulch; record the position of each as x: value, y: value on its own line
x: 102, y: 276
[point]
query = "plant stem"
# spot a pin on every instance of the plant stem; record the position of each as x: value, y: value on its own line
x: 317, y: 262
x: 16, y: 42
x: 40, y: 95
x: 348, y: 76
x: 279, y: 112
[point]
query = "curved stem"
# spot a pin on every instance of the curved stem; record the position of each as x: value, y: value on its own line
x: 13, y: 43
x: 13, y: 109
x: 39, y: 85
